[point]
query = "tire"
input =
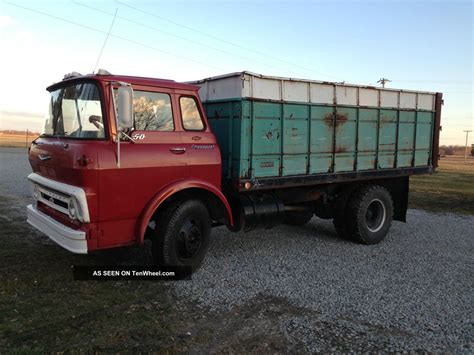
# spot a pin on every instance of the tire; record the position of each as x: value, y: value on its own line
x: 299, y: 218
x: 182, y: 235
x: 369, y: 214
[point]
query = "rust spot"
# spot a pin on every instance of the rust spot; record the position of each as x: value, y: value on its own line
x: 272, y: 134
x: 340, y: 119
x: 328, y: 119
x: 341, y: 149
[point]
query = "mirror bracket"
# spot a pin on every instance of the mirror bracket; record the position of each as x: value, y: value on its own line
x: 121, y: 132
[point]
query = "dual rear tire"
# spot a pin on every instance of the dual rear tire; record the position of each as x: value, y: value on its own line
x: 365, y: 216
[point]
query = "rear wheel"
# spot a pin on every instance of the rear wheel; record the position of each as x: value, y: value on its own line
x: 369, y: 214
x: 182, y: 235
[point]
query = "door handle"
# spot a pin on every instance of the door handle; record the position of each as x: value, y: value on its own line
x: 177, y: 150
x: 44, y: 157
x: 196, y: 138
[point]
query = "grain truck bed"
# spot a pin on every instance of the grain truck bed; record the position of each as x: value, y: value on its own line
x: 276, y: 132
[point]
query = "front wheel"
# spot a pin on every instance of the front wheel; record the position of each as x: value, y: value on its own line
x: 369, y: 214
x: 182, y: 235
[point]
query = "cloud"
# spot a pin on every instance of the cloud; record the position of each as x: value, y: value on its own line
x: 6, y: 21
x: 21, y: 121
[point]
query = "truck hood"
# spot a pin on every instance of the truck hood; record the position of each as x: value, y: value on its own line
x: 72, y: 162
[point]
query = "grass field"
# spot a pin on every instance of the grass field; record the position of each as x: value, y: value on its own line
x: 43, y: 309
x: 17, y: 140
x: 451, y: 189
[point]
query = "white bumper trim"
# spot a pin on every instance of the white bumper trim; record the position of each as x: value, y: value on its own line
x: 70, y: 239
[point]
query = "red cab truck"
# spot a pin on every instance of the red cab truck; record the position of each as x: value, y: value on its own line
x: 123, y: 159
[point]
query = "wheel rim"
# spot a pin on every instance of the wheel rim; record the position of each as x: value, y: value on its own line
x: 375, y: 215
x: 189, y: 239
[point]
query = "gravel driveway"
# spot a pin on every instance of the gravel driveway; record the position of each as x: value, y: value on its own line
x: 411, y: 292
x: 414, y: 289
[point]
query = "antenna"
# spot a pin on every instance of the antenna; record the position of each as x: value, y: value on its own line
x: 106, y: 38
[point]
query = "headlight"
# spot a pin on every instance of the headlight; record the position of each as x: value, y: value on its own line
x: 36, y: 192
x: 72, y: 209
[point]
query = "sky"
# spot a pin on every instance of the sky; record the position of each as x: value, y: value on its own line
x: 419, y: 45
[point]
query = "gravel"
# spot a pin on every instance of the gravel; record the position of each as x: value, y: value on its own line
x: 412, y: 291
x: 14, y: 168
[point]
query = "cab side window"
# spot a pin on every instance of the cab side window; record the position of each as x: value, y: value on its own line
x: 152, y: 111
x: 192, y: 120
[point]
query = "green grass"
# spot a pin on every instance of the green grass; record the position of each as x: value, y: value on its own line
x: 451, y: 189
x: 42, y: 309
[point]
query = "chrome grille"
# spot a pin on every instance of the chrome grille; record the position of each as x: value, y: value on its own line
x: 54, y: 199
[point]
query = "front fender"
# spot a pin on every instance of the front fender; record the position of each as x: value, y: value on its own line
x: 169, y: 191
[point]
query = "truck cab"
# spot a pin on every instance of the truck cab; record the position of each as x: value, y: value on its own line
x: 98, y: 184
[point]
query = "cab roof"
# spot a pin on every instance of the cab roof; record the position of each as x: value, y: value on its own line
x: 137, y: 80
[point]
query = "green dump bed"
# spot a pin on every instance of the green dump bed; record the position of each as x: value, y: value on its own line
x: 272, y: 129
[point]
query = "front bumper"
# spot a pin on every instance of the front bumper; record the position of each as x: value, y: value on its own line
x: 70, y: 239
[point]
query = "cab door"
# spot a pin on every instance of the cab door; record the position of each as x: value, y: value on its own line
x: 203, y: 152
x: 155, y: 159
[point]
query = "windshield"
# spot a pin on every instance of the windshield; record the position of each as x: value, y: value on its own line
x: 75, y: 111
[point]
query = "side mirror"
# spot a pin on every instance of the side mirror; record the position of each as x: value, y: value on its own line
x: 125, y: 106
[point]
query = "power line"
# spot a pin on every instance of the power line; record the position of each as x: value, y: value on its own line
x: 169, y: 33
x: 458, y: 92
x: 195, y: 30
x: 115, y: 36
x: 436, y: 81
x: 105, y: 41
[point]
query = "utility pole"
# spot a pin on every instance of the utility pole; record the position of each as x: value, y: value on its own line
x: 465, y: 150
x: 383, y: 81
